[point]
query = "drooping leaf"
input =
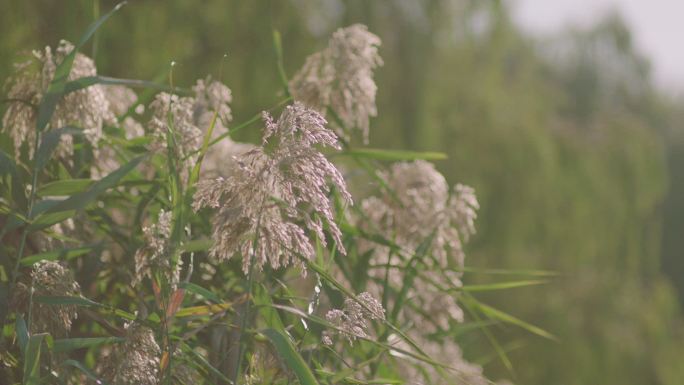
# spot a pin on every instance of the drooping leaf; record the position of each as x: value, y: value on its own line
x: 501, y: 353
x: 292, y: 358
x: 504, y: 285
x: 62, y: 254
x: 393, y: 155
x: 203, y: 310
x: 22, y: 333
x: 89, y: 373
x: 88, y: 81
x: 57, y: 87
x: 48, y: 144
x: 64, y: 187
x: 197, y: 245
x: 69, y: 344
x: 505, y: 317
x: 8, y: 170
x: 81, y: 200
x: 49, y: 219
x: 199, y: 290
x: 32, y: 358
x: 67, y: 300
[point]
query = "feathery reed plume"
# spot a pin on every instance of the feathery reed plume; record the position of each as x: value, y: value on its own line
x: 87, y: 108
x: 173, y: 115
x: 424, y: 210
x: 219, y: 161
x: 121, y: 99
x: 212, y: 97
x: 48, y: 279
x: 447, y: 352
x: 352, y: 320
x: 155, y: 255
x: 278, y: 192
x: 340, y: 77
x: 187, y: 118
x: 134, y: 361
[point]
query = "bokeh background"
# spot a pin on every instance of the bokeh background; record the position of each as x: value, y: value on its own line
x: 576, y: 151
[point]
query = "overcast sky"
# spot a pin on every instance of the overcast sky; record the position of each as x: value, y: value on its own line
x: 657, y: 26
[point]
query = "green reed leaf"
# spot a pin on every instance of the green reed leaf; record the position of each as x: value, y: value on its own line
x: 292, y: 358
x: 69, y: 344
x: 393, y: 155
x: 64, y: 187
x: 199, y: 290
x: 62, y: 254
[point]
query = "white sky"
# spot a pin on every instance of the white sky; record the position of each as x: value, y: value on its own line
x: 657, y: 27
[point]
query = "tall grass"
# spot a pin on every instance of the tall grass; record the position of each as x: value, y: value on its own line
x: 141, y: 245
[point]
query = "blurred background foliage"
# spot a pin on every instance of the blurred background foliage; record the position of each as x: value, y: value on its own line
x: 575, y: 154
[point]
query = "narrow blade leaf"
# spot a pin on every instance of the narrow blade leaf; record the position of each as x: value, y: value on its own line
x: 69, y: 344
x: 393, y: 155
x: 292, y: 358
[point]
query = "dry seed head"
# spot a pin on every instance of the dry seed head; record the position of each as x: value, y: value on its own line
x: 136, y: 360
x: 87, y: 108
x: 212, y: 97
x: 219, y: 161
x: 172, y: 114
x: 155, y: 255
x: 279, y: 192
x: 120, y: 98
x: 341, y: 78
x: 48, y: 279
x: 187, y: 118
x: 352, y: 320
x: 463, y: 206
x: 422, y: 209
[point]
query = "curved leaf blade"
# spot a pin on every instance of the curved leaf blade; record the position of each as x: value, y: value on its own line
x: 292, y: 358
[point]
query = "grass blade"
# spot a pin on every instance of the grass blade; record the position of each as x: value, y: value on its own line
x: 64, y: 187
x: 89, y: 373
x: 199, y: 290
x: 81, y: 200
x: 69, y: 344
x: 393, y: 155
x: 67, y: 300
x: 292, y: 358
x: 48, y: 143
x: 504, y: 285
x: 32, y: 359
x: 62, y: 254
x: 57, y: 87
x: 493, y: 313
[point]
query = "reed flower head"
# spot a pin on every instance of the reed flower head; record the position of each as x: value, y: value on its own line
x: 352, y: 320
x: 136, y: 360
x: 187, y: 118
x: 219, y: 161
x: 48, y: 279
x: 87, y: 108
x: 463, y: 208
x: 423, y: 210
x: 120, y: 98
x: 340, y: 77
x: 447, y: 352
x: 279, y: 191
x: 155, y: 255
x: 173, y: 115
x: 212, y: 97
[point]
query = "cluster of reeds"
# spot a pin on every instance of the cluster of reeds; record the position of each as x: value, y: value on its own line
x: 142, y: 245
